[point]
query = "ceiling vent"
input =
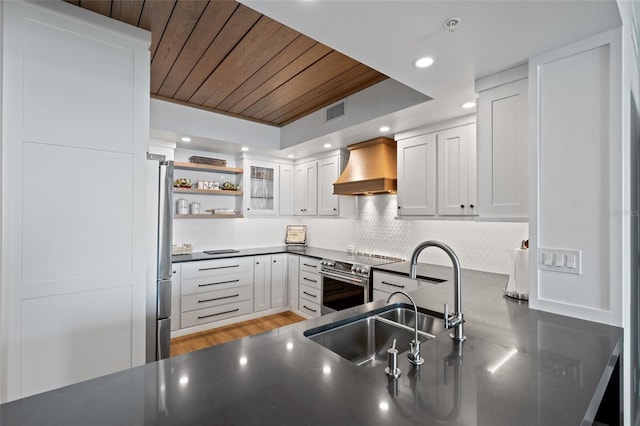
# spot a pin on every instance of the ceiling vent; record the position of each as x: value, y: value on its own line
x: 335, y: 111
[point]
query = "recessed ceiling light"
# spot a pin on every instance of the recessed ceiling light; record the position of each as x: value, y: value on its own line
x: 423, y: 62
x: 468, y: 105
x: 384, y: 129
x: 327, y: 145
x: 290, y: 156
x: 244, y: 148
x: 185, y: 139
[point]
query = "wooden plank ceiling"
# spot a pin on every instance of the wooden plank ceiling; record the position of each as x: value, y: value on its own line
x: 222, y: 56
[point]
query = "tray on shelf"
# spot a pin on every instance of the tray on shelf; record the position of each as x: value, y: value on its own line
x: 208, y: 161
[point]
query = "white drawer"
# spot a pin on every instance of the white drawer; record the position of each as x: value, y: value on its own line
x: 310, y: 308
x: 216, y: 298
x: 309, y: 264
x: 311, y: 294
x: 391, y: 282
x: 218, y: 279
x: 213, y: 268
x: 216, y: 313
x: 310, y: 279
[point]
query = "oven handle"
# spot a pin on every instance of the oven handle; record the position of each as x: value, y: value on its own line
x: 360, y: 282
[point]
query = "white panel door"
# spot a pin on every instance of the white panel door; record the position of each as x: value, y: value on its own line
x: 328, y: 173
x: 502, y: 150
x: 278, y: 280
x: 286, y: 189
x: 293, y: 284
x: 261, y: 283
x: 456, y: 171
x: 417, y: 175
x: 76, y: 128
x: 306, y: 189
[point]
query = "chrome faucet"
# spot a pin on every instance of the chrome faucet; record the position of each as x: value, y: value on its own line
x: 414, y: 346
x: 454, y: 321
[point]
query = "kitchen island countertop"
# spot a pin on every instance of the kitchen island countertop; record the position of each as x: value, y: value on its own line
x: 518, y: 366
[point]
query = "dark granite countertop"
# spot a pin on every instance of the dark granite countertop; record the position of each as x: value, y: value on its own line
x: 302, y: 250
x: 518, y: 366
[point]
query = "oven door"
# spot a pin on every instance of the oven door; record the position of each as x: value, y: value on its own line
x: 342, y: 291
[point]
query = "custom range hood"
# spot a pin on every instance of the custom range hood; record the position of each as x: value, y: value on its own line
x: 371, y: 169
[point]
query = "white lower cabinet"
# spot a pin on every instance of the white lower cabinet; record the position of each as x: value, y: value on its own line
x: 310, y: 286
x: 176, y: 281
x: 293, y: 277
x: 270, y: 282
x: 385, y: 283
x: 217, y: 313
x: 214, y: 290
x: 278, y: 280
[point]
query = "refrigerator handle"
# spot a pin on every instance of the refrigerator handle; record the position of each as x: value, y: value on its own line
x: 165, y: 220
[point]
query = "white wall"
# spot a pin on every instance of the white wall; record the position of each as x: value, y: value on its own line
x: 376, y: 101
x: 168, y: 116
x: 480, y: 245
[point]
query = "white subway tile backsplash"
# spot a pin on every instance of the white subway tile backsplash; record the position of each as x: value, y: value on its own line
x: 480, y: 245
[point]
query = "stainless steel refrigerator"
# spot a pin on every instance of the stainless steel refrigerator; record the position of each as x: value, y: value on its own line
x: 161, y: 227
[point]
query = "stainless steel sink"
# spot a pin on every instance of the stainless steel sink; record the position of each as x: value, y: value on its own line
x: 433, y: 326
x: 364, y: 341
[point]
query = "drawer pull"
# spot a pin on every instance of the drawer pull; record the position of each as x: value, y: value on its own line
x: 310, y: 266
x: 219, y: 298
x: 392, y: 284
x: 309, y: 309
x: 309, y: 294
x: 219, y: 267
x: 309, y: 279
x: 219, y: 282
x: 219, y: 313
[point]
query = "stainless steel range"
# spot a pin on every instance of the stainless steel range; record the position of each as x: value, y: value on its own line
x: 346, y: 280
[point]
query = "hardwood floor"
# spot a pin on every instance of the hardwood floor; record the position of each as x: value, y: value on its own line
x: 204, y: 339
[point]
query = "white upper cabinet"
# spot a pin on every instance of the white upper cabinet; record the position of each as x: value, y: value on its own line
x: 503, y: 150
x: 457, y: 171
x: 417, y: 176
x: 306, y: 189
x: 287, y: 176
x: 261, y: 188
x: 328, y: 173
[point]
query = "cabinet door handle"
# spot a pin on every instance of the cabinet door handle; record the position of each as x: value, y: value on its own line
x: 399, y: 207
x: 219, y: 298
x: 310, y: 266
x: 310, y: 309
x: 275, y: 261
x: 471, y: 206
x: 462, y: 206
x: 309, y: 294
x: 219, y: 267
x: 219, y: 282
x: 335, y: 210
x: 219, y: 313
x: 309, y: 279
x: 392, y: 284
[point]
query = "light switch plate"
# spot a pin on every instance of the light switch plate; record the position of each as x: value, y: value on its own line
x: 560, y: 260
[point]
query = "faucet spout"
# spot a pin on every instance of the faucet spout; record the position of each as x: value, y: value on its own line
x: 456, y: 320
x: 414, y: 351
